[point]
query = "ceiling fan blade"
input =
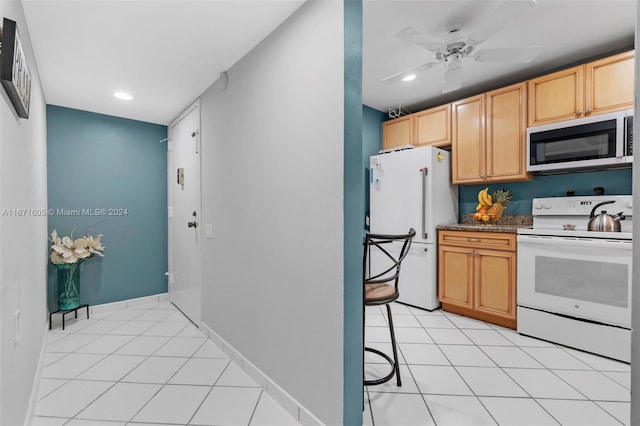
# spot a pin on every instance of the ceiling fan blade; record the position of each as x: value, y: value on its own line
x: 452, y: 73
x: 414, y: 36
x: 499, y: 19
x: 404, y: 74
x: 520, y: 55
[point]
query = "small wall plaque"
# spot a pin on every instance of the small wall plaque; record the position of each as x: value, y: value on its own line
x: 14, y: 71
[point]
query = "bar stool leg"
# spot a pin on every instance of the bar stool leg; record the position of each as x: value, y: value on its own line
x: 394, y: 346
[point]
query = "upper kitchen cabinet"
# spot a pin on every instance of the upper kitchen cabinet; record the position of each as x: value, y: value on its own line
x: 433, y: 126
x: 488, y: 137
x: 609, y: 84
x: 598, y: 87
x: 397, y: 132
x: 506, y: 120
x: 468, y: 140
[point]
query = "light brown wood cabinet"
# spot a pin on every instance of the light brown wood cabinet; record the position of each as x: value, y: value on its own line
x: 432, y: 127
x: 488, y: 137
x: 477, y: 275
x: 397, y: 132
x: 598, y: 87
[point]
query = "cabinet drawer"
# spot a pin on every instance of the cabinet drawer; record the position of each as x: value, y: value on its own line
x: 494, y: 240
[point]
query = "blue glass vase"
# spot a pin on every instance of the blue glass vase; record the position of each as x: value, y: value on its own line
x: 68, y: 286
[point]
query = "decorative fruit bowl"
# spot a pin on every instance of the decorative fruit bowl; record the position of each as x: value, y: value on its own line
x: 490, y: 208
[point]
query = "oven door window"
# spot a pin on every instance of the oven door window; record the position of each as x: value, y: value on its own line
x: 589, y: 281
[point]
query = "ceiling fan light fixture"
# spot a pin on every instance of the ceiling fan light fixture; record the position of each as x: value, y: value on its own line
x: 453, y: 61
x: 410, y: 77
x: 123, y: 96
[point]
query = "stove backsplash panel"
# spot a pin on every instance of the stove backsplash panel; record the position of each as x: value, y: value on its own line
x: 614, y: 182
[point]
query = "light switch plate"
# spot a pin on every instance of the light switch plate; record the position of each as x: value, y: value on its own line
x: 209, y: 231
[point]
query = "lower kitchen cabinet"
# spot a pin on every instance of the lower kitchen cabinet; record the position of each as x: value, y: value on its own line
x: 477, y: 275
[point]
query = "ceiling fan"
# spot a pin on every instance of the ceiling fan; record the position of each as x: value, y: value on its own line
x: 453, y: 47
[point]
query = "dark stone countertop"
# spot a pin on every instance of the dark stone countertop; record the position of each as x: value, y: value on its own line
x: 508, y: 223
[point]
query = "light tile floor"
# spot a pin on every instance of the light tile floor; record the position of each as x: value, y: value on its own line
x: 459, y: 371
x: 146, y: 365
x: 150, y: 365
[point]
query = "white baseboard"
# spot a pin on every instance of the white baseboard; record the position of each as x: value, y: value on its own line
x: 35, y: 387
x: 139, y: 302
x: 289, y: 403
x: 129, y: 303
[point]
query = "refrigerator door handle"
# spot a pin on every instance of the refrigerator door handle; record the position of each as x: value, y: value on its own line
x: 424, y: 171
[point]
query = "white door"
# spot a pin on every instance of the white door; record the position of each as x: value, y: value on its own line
x: 185, y: 273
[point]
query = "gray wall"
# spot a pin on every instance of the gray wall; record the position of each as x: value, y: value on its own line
x: 23, y: 239
x: 272, y: 185
x: 635, y: 303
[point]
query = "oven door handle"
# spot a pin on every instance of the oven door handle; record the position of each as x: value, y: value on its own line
x: 575, y: 242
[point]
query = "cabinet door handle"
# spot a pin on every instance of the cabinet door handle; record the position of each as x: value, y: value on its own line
x: 588, y: 110
x: 579, y: 112
x: 469, y: 253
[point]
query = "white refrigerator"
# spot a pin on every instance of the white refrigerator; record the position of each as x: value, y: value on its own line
x: 412, y: 188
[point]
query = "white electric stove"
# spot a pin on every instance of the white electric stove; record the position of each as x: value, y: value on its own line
x: 574, y: 286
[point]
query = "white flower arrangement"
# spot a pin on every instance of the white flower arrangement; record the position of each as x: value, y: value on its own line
x: 66, y: 250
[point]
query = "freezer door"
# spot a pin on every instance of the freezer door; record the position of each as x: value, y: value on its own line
x: 417, y: 285
x: 397, y: 192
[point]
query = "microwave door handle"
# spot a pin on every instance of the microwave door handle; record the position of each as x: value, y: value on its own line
x: 620, y: 137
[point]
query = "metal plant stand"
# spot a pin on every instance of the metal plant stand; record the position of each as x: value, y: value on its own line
x: 64, y: 312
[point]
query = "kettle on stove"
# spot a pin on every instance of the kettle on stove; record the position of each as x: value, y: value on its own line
x: 604, y: 222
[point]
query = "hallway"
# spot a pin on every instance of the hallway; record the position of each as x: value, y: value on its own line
x: 141, y: 365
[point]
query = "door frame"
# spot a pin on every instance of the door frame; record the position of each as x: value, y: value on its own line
x: 170, y: 177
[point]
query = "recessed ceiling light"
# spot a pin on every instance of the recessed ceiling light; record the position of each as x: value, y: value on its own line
x: 123, y: 95
x: 409, y: 77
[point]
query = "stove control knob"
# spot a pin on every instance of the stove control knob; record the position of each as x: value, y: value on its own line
x: 629, y: 204
x: 547, y: 205
x: 538, y: 205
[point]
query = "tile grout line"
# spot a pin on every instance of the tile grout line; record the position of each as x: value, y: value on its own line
x: 117, y: 381
x: 163, y: 385
x: 496, y: 365
x: 143, y: 311
x: 504, y: 372
x: 210, y: 390
x: 473, y: 392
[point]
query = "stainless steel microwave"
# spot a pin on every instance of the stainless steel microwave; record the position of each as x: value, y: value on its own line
x: 599, y: 142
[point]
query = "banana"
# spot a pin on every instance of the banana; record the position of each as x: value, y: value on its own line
x: 488, y: 199
x: 484, y: 199
x: 482, y: 194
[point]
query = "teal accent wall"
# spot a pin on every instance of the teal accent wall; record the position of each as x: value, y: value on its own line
x: 96, y: 161
x: 371, y: 141
x: 615, y: 182
x: 354, y: 209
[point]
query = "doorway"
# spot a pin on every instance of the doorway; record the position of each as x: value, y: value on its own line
x: 184, y: 208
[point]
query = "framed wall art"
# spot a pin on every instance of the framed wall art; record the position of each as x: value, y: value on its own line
x: 14, y: 71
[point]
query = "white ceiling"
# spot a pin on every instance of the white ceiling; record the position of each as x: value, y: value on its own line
x: 569, y: 30
x: 167, y: 52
